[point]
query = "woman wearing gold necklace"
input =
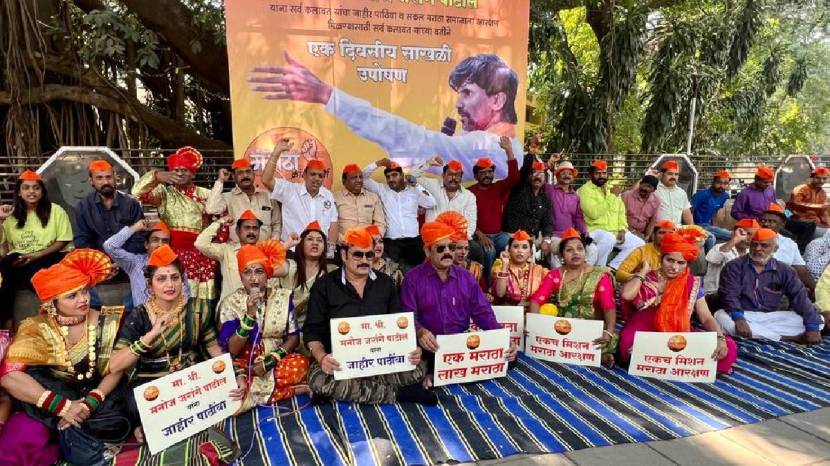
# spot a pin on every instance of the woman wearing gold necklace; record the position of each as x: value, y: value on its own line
x: 55, y: 368
x: 581, y: 291
x: 167, y: 333
x: 515, y: 276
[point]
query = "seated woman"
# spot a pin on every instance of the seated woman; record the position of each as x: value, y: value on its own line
x: 259, y: 328
x: 165, y: 334
x: 515, y: 276
x: 665, y: 300
x: 35, y: 238
x: 55, y: 368
x: 580, y: 291
x: 384, y: 264
x: 311, y: 265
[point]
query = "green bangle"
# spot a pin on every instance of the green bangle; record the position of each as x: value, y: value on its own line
x: 248, y: 321
x: 281, y: 352
x: 269, y: 362
x: 242, y: 332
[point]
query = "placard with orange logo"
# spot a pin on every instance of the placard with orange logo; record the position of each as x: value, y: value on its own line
x: 563, y: 340
x: 470, y: 357
x: 682, y: 357
x: 297, y: 68
x: 372, y: 345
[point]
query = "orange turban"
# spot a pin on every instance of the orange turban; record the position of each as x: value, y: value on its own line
x: 455, y: 166
x: 485, y: 163
x: 160, y: 226
x: 314, y: 226
x: 666, y: 225
x: 601, y: 165
x: 764, y: 234
x: 249, y: 214
x: 566, y: 166
x: 520, y: 235
x: 275, y: 251
x: 693, y: 232
x: 249, y: 254
x: 162, y: 256
x: 373, y: 230
x: 821, y: 171
x: 351, y: 168
x: 315, y: 165
x: 723, y: 174
x: 539, y: 166
x: 358, y: 237
x: 79, y: 268
x: 434, y: 232
x: 187, y: 158
x: 99, y: 166
x: 571, y: 233
x: 765, y: 173
x: 29, y: 175
x: 748, y: 223
x: 455, y: 221
x: 240, y: 164
x: 671, y: 165
x: 677, y: 243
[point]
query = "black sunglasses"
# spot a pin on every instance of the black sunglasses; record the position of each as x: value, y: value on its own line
x: 443, y: 247
x: 360, y: 254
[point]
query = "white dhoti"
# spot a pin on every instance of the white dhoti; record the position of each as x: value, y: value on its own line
x: 607, y: 242
x: 770, y: 325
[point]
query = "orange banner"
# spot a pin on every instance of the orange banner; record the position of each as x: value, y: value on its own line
x: 354, y: 81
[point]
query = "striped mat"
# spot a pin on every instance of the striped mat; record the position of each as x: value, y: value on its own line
x: 539, y: 407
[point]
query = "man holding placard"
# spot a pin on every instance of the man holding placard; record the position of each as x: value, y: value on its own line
x: 355, y: 290
x: 443, y: 296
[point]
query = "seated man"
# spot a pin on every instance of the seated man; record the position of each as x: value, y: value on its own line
x: 134, y: 264
x: 642, y: 207
x: 755, y: 197
x: 808, y: 201
x: 461, y: 254
x: 649, y: 252
x: 751, y: 290
x: 787, y: 252
x: 356, y: 290
x: 737, y: 246
x: 706, y: 203
x: 443, y: 296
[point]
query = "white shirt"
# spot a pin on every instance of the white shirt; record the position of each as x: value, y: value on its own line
x: 402, y: 138
x: 672, y: 203
x: 716, y: 260
x: 464, y: 201
x: 401, y: 208
x: 299, y: 208
x: 787, y: 252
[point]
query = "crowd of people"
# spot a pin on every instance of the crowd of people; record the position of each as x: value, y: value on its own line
x: 260, y: 270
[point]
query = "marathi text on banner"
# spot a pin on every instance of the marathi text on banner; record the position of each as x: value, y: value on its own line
x: 184, y: 403
x: 373, y: 345
x: 563, y: 340
x: 470, y: 357
x: 681, y: 357
x: 512, y: 318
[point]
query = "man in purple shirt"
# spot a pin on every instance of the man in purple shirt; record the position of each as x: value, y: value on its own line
x: 443, y: 296
x: 755, y: 198
x: 751, y: 290
x: 564, y: 201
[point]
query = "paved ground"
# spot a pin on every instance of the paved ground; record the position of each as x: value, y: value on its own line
x: 800, y: 439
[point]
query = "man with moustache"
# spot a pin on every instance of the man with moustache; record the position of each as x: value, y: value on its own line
x: 247, y: 229
x: 356, y: 206
x: 400, y: 203
x: 355, y: 290
x: 528, y: 208
x: 674, y: 202
x: 606, y: 217
x: 737, y: 246
x: 642, y: 206
x: 564, y: 200
x: 246, y: 195
x: 491, y: 197
x: 756, y: 197
x: 808, y: 201
x: 105, y: 211
x: 302, y: 203
x: 707, y: 203
x: 752, y: 289
x: 787, y: 251
x: 444, y: 296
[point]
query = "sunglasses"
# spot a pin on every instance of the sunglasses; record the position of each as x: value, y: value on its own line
x: 360, y: 255
x: 440, y: 249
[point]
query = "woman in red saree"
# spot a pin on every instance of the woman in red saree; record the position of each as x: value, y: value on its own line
x: 664, y: 301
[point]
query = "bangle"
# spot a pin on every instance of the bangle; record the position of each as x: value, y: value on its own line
x: 722, y: 337
x: 281, y: 352
x: 269, y: 362
x: 138, y: 347
x: 64, y: 409
x: 54, y: 403
x: 242, y: 332
x: 637, y: 275
x: 41, y: 401
x: 610, y: 335
x: 247, y: 323
x: 100, y: 394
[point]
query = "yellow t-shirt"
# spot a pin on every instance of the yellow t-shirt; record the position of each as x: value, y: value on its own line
x: 34, y: 236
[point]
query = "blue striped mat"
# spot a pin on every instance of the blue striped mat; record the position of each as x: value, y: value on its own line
x: 539, y: 407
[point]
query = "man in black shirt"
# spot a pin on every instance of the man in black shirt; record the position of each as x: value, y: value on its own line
x: 356, y: 290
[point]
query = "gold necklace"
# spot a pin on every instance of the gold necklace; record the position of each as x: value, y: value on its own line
x: 564, y: 282
x: 91, y: 339
x: 153, y: 308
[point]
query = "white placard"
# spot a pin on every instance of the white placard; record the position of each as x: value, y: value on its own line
x: 470, y: 357
x: 373, y: 345
x: 563, y: 340
x: 512, y: 318
x: 682, y: 357
x: 184, y: 403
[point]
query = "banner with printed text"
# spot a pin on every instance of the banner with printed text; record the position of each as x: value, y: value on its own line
x: 563, y: 340
x: 353, y: 81
x: 682, y: 357
x: 512, y: 318
x: 184, y: 403
x: 470, y: 357
x: 372, y: 345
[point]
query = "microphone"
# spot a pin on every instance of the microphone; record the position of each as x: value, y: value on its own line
x: 449, y: 126
x: 255, y: 289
